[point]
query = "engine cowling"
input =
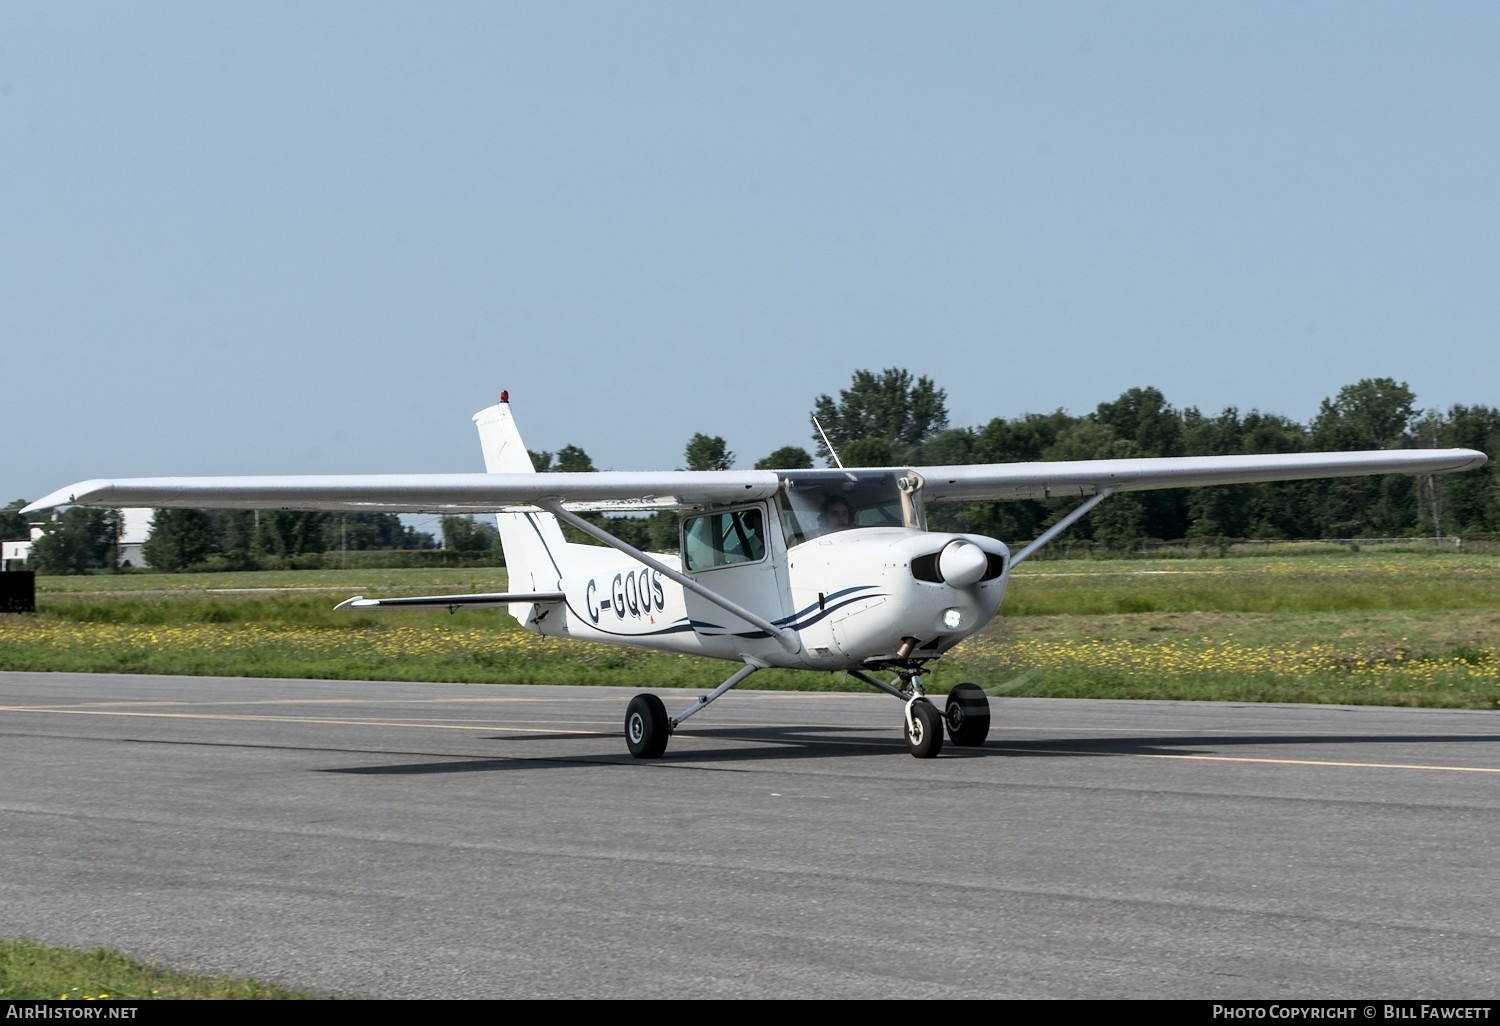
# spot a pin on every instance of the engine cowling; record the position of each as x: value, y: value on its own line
x: 862, y: 594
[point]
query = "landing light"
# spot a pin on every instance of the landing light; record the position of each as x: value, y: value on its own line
x: 953, y: 619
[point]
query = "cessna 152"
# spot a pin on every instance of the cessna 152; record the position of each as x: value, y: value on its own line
x: 811, y: 569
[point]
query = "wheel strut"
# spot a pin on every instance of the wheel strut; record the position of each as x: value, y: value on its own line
x: 923, y: 724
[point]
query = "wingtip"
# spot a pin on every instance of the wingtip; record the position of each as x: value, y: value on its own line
x: 67, y: 496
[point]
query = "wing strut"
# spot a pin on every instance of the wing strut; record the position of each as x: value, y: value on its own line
x: 788, y: 639
x: 1061, y: 526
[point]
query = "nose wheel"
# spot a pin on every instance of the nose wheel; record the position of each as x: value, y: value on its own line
x: 924, y: 729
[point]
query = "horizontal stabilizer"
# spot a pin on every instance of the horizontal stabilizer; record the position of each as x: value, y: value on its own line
x: 451, y: 602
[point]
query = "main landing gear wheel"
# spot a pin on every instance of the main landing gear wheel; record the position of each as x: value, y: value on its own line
x: 646, y: 727
x: 924, y: 732
x: 968, y: 716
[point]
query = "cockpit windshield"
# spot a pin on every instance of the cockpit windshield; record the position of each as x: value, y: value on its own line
x: 823, y: 502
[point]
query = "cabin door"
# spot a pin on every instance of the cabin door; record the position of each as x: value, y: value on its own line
x: 734, y: 553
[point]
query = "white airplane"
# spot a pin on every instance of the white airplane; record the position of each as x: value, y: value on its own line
x: 809, y: 569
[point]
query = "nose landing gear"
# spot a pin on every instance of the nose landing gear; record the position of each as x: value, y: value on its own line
x: 967, y: 714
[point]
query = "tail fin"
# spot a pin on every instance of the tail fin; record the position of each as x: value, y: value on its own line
x: 533, y: 542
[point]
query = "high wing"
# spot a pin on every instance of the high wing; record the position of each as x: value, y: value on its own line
x: 1086, y: 477
x: 488, y: 493
x: 423, y: 493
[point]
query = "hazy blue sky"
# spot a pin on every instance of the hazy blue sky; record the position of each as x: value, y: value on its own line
x: 316, y: 237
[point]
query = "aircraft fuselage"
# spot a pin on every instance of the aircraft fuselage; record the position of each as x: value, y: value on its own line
x: 852, y: 597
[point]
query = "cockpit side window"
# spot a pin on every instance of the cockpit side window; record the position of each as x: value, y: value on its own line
x: 723, y: 538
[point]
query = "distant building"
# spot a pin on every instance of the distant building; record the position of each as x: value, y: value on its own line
x: 14, y: 552
x: 135, y: 528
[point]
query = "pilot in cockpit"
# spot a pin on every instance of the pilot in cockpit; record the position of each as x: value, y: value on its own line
x: 835, y: 515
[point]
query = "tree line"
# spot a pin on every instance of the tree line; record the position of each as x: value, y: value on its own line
x: 890, y: 418
x: 79, y: 539
x: 871, y: 421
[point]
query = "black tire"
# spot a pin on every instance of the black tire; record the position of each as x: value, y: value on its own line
x: 924, y: 738
x: 646, y: 727
x: 968, y: 716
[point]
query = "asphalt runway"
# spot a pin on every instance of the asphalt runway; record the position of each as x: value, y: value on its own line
x: 457, y: 841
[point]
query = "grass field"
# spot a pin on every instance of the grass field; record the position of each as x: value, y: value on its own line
x: 39, y: 972
x: 1387, y: 628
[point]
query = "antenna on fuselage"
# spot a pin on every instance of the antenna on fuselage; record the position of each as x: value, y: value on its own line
x: 838, y: 462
